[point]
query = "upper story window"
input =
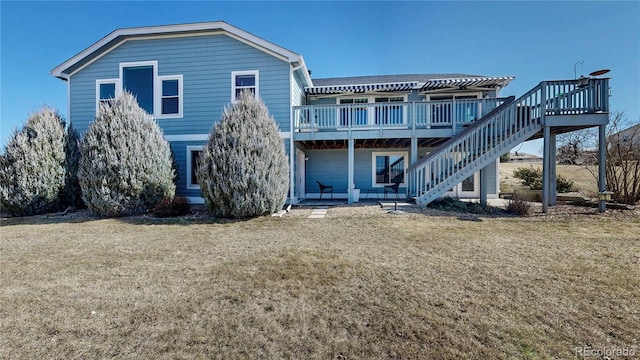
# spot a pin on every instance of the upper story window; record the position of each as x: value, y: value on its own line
x: 244, y: 81
x: 138, y: 80
x: 160, y: 96
x: 171, y: 95
x: 105, y: 91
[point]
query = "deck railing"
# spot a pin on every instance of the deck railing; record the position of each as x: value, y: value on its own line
x: 398, y: 115
x: 487, y: 139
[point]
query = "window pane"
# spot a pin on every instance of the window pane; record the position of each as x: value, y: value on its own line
x: 139, y: 81
x: 239, y: 91
x: 382, y: 169
x: 245, y: 80
x: 170, y: 88
x: 195, y: 159
x: 107, y: 91
x: 468, y: 184
x: 170, y: 105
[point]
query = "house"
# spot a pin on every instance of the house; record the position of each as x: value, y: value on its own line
x: 628, y: 139
x: 425, y: 135
x: 520, y: 157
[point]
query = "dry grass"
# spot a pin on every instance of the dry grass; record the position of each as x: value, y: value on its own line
x: 359, y: 284
x: 583, y: 179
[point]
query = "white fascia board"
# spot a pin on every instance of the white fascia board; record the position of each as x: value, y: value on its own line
x: 167, y: 29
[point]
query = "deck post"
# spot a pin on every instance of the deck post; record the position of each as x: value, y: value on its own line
x: 350, y: 165
x: 545, y: 169
x: 602, y: 169
x: 414, y: 159
x: 552, y: 170
x: 483, y: 185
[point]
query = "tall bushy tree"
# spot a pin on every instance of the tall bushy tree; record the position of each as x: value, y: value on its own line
x: 125, y: 162
x: 72, y: 195
x: 32, y: 168
x: 243, y: 171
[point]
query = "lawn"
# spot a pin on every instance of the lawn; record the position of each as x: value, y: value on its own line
x: 584, y: 181
x: 359, y: 284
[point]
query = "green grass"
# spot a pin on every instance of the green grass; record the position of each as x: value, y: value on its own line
x: 351, y: 286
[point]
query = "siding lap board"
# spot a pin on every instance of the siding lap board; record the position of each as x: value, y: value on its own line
x: 206, y: 63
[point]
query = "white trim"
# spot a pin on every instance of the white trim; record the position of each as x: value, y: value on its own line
x: 255, y: 73
x: 187, y: 137
x: 179, y: 115
x: 285, y: 134
x: 453, y: 95
x: 115, y: 82
x: 69, y: 100
x: 191, y: 148
x: 387, y: 153
x: 154, y: 31
x: 196, y: 200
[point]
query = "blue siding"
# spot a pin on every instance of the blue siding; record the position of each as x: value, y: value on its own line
x: 330, y: 168
x: 179, y: 150
x: 206, y: 63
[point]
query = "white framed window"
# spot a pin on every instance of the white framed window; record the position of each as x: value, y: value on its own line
x: 385, y: 113
x: 160, y: 96
x: 193, y: 154
x: 106, y: 90
x: 389, y: 167
x: 170, y: 96
x: 244, y: 81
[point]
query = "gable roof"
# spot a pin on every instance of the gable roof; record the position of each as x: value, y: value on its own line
x: 405, y: 82
x: 117, y: 37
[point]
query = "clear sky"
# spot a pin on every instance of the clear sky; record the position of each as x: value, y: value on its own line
x: 532, y: 41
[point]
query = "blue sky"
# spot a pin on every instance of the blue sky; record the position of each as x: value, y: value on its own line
x: 532, y: 41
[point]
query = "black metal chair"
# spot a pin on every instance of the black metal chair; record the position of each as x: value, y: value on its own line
x: 325, y: 188
x: 395, y: 187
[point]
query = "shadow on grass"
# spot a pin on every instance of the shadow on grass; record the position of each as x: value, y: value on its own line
x: 195, y: 217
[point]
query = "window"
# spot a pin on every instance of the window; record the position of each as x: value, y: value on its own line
x: 193, y: 156
x: 138, y: 80
x: 389, y: 114
x: 171, y: 95
x: 466, y: 108
x: 354, y: 115
x: 244, y: 81
x: 105, y: 91
x: 389, y: 168
x: 160, y: 96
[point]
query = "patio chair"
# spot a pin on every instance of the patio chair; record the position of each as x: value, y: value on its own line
x: 325, y: 188
x: 395, y: 187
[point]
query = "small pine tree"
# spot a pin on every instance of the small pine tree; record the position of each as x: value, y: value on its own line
x: 243, y: 171
x: 125, y: 162
x: 32, y: 168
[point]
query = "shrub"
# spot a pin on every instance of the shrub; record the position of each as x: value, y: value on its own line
x: 125, y: 163
x: 564, y: 185
x: 518, y: 206
x: 178, y: 206
x: 32, y: 167
x: 533, y: 179
x: 530, y: 177
x: 72, y: 195
x: 243, y: 171
x: 456, y: 205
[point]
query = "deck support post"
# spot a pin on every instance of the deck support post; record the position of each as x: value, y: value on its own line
x: 350, y: 165
x: 483, y: 185
x: 552, y: 170
x: 546, y: 155
x: 414, y: 159
x: 602, y: 169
